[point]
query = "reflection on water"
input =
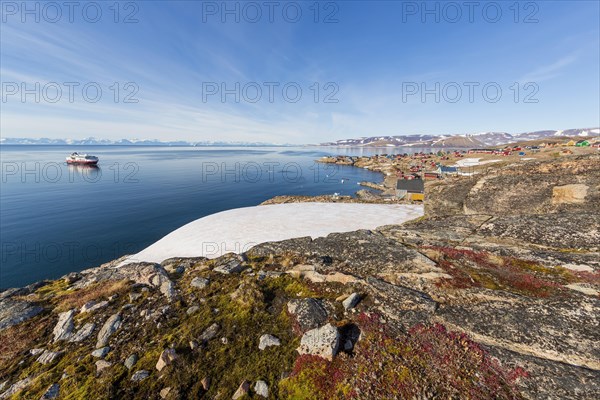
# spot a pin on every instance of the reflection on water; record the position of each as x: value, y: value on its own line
x: 87, y: 172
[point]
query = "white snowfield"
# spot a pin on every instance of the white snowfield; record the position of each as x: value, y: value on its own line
x: 240, y: 229
x: 473, y: 162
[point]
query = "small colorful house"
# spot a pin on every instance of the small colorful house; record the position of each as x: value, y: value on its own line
x: 410, y: 189
x: 582, y: 143
x: 444, y: 170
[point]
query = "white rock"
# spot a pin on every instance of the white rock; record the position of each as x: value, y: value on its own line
x: 242, y: 390
x: 83, y: 333
x: 166, y: 358
x: 268, y: 340
x: 351, y: 301
x: 92, y: 306
x: 102, y: 365
x: 64, y: 326
x: 261, y: 389
x: 323, y: 342
x: 48, y: 356
x: 35, y: 352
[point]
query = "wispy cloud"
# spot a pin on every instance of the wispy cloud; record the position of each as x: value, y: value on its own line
x: 550, y: 71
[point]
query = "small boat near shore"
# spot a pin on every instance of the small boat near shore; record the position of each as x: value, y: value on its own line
x: 82, y: 159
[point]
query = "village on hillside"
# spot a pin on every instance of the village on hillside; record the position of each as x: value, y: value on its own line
x: 405, y: 175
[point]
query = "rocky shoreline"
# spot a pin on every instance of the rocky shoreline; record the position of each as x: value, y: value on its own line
x: 493, y: 294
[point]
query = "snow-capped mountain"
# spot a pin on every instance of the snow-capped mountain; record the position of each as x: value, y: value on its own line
x: 481, y: 139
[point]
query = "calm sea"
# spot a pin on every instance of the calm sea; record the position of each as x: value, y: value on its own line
x: 55, y: 218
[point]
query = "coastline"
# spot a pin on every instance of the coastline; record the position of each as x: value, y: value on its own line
x: 482, y: 278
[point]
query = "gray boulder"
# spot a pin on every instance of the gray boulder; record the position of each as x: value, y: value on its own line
x: 110, y: 326
x: 230, y: 267
x: 199, y: 283
x: 101, y: 353
x: 140, y: 375
x: 131, y: 360
x: 308, y: 313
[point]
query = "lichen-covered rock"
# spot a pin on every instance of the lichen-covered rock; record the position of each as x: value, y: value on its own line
x: 322, y: 342
x: 308, y: 313
x: 230, y: 267
x: 101, y: 365
x: 561, y: 185
x: 209, y: 333
x: 13, y: 312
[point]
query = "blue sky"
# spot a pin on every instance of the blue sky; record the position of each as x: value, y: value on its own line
x: 374, y: 58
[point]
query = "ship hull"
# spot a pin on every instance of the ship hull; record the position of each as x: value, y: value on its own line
x: 83, y: 162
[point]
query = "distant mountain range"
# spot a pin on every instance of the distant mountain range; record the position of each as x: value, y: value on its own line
x: 482, y: 139
x: 125, y: 142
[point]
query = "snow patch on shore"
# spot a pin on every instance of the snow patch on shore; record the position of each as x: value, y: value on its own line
x: 240, y: 229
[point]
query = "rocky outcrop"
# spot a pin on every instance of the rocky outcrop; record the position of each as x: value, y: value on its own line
x: 562, y: 185
x: 13, y: 312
